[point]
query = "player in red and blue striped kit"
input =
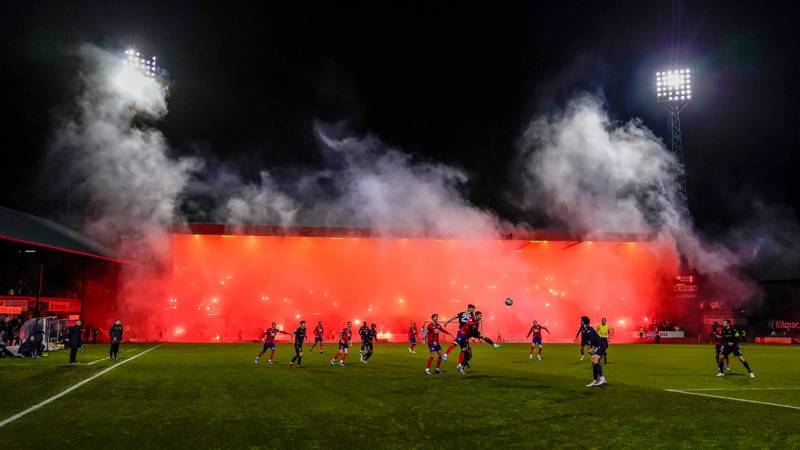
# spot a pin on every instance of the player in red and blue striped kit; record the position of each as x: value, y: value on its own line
x: 345, y: 336
x: 269, y: 342
x: 319, y: 331
x: 432, y: 338
x: 536, y: 331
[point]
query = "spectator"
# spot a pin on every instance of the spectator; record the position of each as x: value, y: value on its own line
x: 115, y: 333
x: 37, y: 332
x: 3, y: 325
x: 74, y: 341
x: 94, y: 335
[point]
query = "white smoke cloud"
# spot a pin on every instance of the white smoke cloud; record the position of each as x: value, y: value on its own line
x: 124, y: 173
x: 595, y: 176
x: 381, y: 187
x: 257, y: 204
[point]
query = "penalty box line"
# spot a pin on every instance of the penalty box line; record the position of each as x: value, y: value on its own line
x: 698, y: 394
x: 72, y: 388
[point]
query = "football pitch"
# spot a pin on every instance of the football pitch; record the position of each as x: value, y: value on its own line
x: 212, y: 396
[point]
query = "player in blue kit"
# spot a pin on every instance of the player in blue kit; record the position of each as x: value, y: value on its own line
x: 597, y: 348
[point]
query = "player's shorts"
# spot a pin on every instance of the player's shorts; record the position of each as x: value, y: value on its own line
x: 318, y: 339
x: 717, y: 348
x: 728, y: 349
x: 344, y: 345
x: 605, y: 340
x: 462, y: 340
x: 298, y: 348
x: 600, y: 351
x: 434, y: 347
x: 584, y: 341
x: 268, y: 346
x: 412, y: 340
x: 536, y: 340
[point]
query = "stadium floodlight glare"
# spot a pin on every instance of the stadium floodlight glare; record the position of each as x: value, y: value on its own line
x: 674, y: 86
x: 133, y: 59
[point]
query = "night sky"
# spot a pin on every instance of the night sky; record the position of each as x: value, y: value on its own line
x: 445, y: 82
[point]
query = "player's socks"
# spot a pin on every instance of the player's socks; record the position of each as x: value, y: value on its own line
x: 272, y: 355
x: 461, y: 359
x: 721, y: 367
x: 344, y: 356
x: 594, y: 371
x: 747, y: 366
x: 600, y: 370
x: 299, y: 361
x: 449, y: 349
x: 429, y: 361
x: 438, y: 362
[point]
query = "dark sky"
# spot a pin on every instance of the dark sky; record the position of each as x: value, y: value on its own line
x: 446, y: 82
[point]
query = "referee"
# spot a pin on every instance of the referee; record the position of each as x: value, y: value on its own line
x: 604, y: 331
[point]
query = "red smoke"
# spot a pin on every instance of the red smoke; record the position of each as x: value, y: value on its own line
x: 221, y: 286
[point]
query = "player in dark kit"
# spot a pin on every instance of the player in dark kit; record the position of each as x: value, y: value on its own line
x: 597, y: 347
x: 730, y: 344
x: 536, y: 331
x: 716, y: 339
x: 299, y: 338
x: 370, y: 335
x: 412, y: 338
x: 470, y: 330
x: 345, y: 336
x: 463, y: 318
x: 363, y: 333
x: 319, y: 331
x: 269, y: 342
x: 115, y: 334
x: 584, y: 342
x: 432, y: 338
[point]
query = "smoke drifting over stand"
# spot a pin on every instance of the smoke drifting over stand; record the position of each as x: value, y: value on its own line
x: 589, y: 174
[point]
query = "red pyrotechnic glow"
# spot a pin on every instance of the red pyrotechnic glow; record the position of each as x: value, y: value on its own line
x: 394, y: 281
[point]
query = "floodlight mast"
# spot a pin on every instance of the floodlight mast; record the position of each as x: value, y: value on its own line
x: 674, y: 91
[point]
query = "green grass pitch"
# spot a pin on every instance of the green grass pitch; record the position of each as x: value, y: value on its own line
x: 213, y: 396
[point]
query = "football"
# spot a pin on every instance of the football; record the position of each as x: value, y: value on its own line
x: 509, y: 301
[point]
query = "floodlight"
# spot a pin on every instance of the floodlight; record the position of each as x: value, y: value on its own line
x: 673, y: 85
x: 135, y: 60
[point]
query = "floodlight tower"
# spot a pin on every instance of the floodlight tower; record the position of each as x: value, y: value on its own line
x: 674, y: 91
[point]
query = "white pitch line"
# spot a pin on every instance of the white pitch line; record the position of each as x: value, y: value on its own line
x: 71, y: 388
x: 742, y: 389
x: 95, y: 361
x: 780, y: 405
